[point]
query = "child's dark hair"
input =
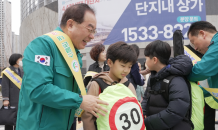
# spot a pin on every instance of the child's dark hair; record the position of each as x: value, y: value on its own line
x: 136, y: 48
x: 159, y: 49
x: 122, y: 52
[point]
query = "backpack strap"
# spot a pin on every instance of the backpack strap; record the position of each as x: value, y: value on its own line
x: 103, y: 85
x: 127, y: 83
x: 165, y: 86
x: 189, y: 113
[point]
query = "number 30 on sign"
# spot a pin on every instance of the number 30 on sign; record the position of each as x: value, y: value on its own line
x: 126, y: 114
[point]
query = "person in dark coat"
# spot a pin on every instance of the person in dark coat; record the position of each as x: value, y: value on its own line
x: 98, y: 54
x: 162, y: 114
x: 10, y: 92
x: 134, y: 76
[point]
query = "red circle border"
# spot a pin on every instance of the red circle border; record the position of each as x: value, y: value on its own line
x: 115, y: 108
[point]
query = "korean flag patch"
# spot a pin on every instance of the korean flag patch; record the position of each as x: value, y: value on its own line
x: 44, y: 60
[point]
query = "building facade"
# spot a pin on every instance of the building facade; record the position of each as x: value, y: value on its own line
x: 15, y: 43
x: 5, y: 33
x: 211, y: 16
x: 40, y: 21
x: 45, y: 19
x: 29, y: 6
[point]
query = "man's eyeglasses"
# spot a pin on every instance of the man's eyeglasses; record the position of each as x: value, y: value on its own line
x: 90, y: 30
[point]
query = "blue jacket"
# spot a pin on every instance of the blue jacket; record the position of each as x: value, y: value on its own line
x: 135, y: 77
x: 207, y: 68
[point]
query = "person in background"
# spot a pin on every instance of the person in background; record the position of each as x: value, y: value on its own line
x: 1, y: 77
x: 10, y: 92
x: 134, y: 76
x: 140, y: 90
x: 98, y: 54
x: 146, y: 73
x: 204, y: 38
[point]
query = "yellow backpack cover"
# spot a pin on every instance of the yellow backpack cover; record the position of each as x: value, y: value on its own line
x: 124, y: 111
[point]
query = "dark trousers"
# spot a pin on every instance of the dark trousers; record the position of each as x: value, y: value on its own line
x: 9, y: 127
x: 209, y: 118
x: 73, y: 127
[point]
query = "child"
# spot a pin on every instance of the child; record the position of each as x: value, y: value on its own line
x: 169, y: 112
x: 120, y: 60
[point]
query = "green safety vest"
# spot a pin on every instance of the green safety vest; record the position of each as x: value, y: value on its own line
x: 197, y: 116
x: 124, y: 111
x: 211, y: 100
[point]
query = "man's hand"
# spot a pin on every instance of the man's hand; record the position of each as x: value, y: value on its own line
x: 145, y: 116
x: 91, y: 104
x: 6, y: 103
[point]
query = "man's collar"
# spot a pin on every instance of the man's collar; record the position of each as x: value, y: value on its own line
x: 59, y: 29
x: 77, y: 51
x: 211, y: 43
x: 213, y: 39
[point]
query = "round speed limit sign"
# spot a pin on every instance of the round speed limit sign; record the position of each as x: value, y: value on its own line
x: 126, y: 114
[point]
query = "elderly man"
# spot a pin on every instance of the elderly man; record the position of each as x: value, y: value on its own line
x: 203, y: 35
x: 49, y: 94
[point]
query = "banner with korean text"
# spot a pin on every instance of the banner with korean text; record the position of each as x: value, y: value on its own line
x: 140, y: 20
